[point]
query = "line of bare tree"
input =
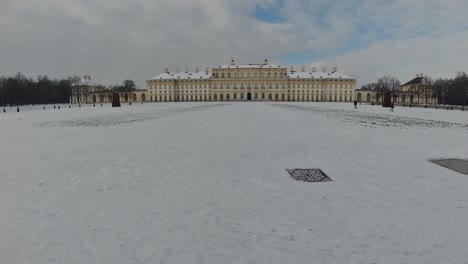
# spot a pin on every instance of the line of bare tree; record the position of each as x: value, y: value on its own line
x: 20, y: 90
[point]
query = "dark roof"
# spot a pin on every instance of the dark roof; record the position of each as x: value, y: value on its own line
x: 417, y: 80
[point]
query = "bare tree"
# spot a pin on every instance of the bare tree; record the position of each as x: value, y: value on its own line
x: 388, y: 83
x: 460, y: 84
x: 441, y: 89
x: 426, y: 87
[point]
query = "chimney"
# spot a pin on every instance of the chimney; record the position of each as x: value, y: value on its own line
x: 166, y: 70
x: 335, y: 69
x: 232, y: 62
x: 266, y: 62
x: 207, y: 70
x: 324, y: 69
x: 197, y: 69
x: 293, y: 69
x: 302, y: 68
x: 314, y: 69
x: 186, y: 70
x: 176, y: 70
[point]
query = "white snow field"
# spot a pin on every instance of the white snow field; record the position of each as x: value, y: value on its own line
x: 207, y: 183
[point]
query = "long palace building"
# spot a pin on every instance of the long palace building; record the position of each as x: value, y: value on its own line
x: 256, y: 82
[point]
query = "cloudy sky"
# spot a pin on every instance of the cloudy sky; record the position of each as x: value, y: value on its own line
x: 113, y: 40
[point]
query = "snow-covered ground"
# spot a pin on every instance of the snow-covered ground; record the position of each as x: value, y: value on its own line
x: 207, y: 183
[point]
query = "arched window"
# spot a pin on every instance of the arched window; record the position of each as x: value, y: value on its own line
x: 235, y: 96
x: 215, y: 97
x: 227, y: 96
x: 270, y: 97
x: 276, y: 97
x: 283, y: 97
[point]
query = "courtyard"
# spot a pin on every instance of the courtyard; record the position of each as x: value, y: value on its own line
x: 208, y: 183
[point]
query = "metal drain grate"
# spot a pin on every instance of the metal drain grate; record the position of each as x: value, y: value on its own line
x: 308, y: 175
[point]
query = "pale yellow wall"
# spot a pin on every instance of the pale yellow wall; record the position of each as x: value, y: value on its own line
x: 235, y: 83
x: 81, y: 94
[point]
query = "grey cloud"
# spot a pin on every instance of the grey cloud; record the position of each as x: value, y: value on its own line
x: 114, y: 40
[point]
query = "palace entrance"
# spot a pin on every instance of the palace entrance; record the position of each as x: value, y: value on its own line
x: 249, y: 96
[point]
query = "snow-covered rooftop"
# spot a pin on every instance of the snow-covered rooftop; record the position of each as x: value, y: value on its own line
x: 86, y: 81
x: 201, y: 75
x: 317, y: 75
x: 291, y: 74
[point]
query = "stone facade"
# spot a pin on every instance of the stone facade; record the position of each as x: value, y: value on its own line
x: 87, y: 91
x: 82, y: 91
x: 252, y: 82
x: 416, y: 91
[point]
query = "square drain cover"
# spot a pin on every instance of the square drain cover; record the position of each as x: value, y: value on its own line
x: 458, y: 165
x: 308, y: 175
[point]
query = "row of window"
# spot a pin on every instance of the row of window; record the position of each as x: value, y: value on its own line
x: 298, y: 92
x: 255, y: 96
x: 255, y: 85
x: 255, y: 74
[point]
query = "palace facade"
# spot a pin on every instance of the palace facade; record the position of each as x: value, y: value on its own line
x: 86, y: 91
x: 252, y: 82
x: 415, y: 91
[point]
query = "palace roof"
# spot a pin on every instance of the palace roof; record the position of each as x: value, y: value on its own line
x: 201, y: 75
x: 417, y: 80
x: 317, y: 75
x: 86, y: 81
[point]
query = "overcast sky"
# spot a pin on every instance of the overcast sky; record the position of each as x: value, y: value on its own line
x: 113, y: 40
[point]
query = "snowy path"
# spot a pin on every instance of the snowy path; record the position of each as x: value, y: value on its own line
x: 206, y: 183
